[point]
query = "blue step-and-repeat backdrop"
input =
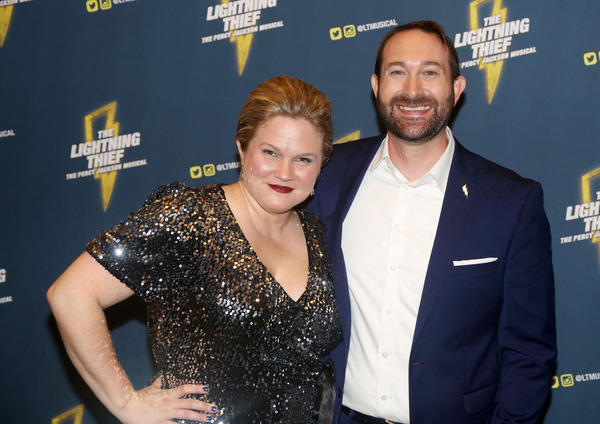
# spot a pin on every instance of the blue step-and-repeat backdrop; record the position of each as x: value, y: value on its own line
x: 101, y: 101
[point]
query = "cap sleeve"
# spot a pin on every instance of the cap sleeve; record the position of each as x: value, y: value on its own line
x: 153, y: 250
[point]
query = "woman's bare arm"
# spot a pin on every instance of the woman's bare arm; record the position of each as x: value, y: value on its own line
x: 78, y: 299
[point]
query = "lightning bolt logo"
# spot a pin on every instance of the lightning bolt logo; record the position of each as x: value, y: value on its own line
x: 5, y: 15
x: 350, y: 137
x: 75, y: 413
x: 243, y: 43
x: 493, y: 69
x: 107, y: 179
x: 586, y: 193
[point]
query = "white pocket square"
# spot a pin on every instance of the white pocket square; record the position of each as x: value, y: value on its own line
x: 468, y: 262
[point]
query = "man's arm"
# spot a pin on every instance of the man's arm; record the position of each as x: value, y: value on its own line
x: 527, y: 329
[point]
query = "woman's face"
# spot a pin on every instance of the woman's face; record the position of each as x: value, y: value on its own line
x: 281, y: 163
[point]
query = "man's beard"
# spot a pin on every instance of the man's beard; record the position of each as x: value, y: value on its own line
x: 415, y: 132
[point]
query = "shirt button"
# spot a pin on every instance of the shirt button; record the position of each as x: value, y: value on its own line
x: 384, y: 354
x: 383, y: 397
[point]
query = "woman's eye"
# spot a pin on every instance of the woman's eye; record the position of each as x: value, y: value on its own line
x: 269, y: 152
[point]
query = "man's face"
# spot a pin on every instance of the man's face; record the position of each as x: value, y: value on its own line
x: 415, y: 94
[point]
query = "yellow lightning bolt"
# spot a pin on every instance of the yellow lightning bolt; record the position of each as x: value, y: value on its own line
x: 5, y: 14
x: 350, y: 137
x: 107, y: 179
x: 76, y: 413
x: 493, y: 69
x: 243, y: 47
x: 586, y: 192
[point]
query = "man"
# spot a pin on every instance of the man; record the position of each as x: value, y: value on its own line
x: 441, y: 259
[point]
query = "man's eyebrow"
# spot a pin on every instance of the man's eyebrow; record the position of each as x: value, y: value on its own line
x: 425, y: 63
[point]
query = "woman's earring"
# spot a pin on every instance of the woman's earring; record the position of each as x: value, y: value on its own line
x: 241, y: 172
x: 312, y: 193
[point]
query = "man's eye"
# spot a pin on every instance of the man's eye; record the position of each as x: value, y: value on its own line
x: 305, y: 160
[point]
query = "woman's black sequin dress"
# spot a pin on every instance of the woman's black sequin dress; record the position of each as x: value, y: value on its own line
x: 216, y: 316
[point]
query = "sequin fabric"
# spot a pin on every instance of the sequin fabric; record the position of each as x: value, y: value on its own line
x: 215, y: 314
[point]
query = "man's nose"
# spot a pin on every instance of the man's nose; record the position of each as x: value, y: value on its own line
x: 413, y: 86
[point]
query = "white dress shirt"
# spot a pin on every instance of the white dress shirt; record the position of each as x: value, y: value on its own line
x: 387, y: 238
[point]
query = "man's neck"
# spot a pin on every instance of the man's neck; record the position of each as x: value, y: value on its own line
x: 415, y: 160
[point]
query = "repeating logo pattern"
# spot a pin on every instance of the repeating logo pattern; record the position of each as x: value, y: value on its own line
x: 569, y: 380
x: 350, y: 31
x: 490, y: 44
x: 104, y: 149
x: 240, y: 19
x: 588, y: 211
x: 96, y: 5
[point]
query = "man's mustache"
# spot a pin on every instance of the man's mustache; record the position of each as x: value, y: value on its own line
x: 420, y: 100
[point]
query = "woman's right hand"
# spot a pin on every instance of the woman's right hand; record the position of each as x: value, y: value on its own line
x: 153, y: 405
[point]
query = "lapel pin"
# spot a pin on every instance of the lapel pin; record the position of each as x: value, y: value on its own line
x: 466, y: 191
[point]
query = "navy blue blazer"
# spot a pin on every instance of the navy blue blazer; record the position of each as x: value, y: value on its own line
x: 484, y: 348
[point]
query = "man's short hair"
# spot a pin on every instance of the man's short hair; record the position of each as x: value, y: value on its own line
x: 429, y: 27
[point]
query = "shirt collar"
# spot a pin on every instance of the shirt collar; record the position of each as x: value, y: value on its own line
x: 438, y: 173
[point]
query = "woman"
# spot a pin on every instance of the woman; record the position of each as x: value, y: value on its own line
x: 237, y: 281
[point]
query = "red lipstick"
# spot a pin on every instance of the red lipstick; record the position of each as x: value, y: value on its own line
x: 280, y: 189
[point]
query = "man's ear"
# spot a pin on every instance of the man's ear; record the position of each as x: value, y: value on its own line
x: 375, y: 84
x: 459, y: 85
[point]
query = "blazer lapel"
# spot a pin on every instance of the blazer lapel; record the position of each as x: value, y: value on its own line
x: 453, y: 218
